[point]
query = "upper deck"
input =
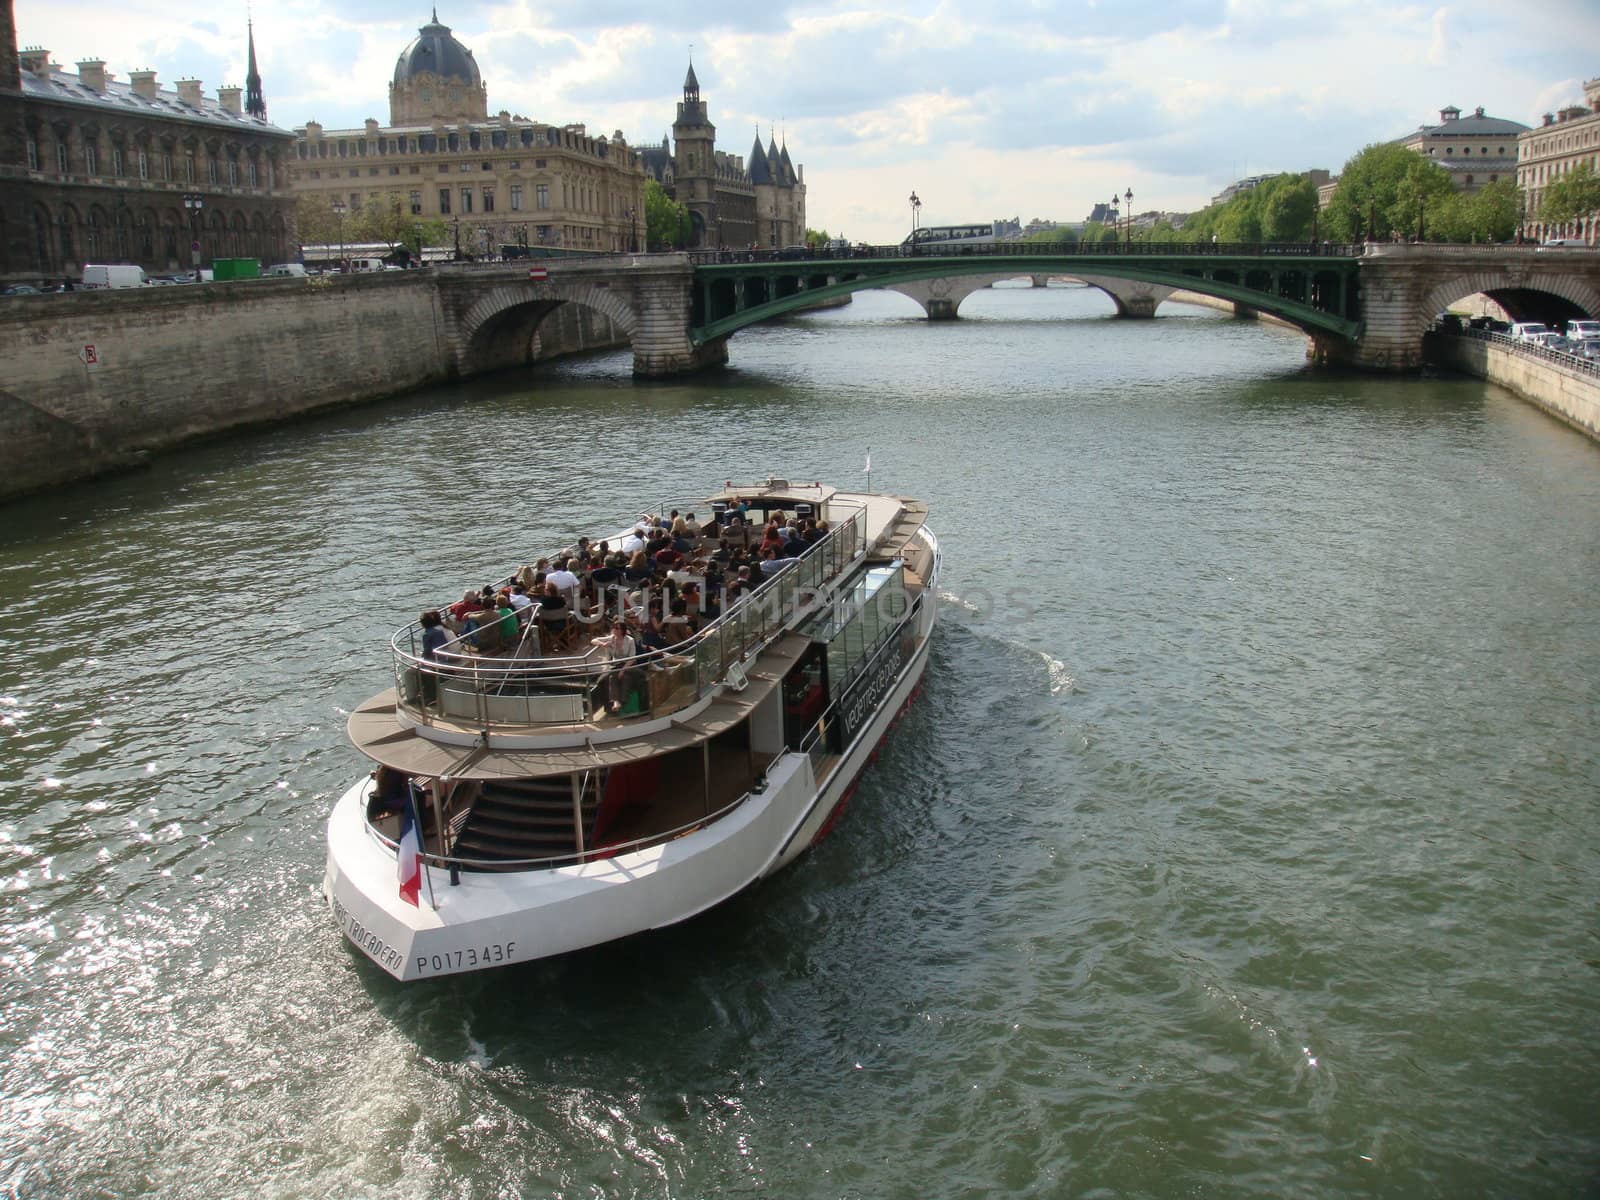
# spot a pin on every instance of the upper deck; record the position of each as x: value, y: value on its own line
x: 548, y: 689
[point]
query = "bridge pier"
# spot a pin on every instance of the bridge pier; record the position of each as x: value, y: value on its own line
x: 1039, y: 281
x: 1134, y: 299
x: 940, y: 298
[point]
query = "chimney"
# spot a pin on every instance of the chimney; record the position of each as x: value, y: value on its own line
x: 189, y: 92
x: 371, y: 127
x: 313, y: 130
x: 1549, y: 118
x: 228, y: 97
x: 92, y: 74
x: 143, y: 84
x: 36, y: 60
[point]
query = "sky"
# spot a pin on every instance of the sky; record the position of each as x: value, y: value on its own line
x: 1040, y: 108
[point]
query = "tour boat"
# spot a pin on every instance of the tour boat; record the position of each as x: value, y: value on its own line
x: 545, y: 796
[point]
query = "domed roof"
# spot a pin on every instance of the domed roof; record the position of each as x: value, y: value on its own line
x: 437, y: 53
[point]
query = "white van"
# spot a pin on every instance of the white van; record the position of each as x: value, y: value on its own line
x: 1564, y: 243
x: 292, y: 269
x: 366, y: 264
x: 1527, y: 331
x: 115, y: 275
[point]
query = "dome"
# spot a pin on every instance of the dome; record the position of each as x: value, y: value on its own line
x: 435, y: 52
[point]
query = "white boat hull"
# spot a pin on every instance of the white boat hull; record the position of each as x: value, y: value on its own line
x: 493, y: 918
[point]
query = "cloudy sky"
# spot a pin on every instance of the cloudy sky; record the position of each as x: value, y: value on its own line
x: 1037, y: 108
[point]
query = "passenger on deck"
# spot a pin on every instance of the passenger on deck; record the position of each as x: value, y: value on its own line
x: 520, y: 601
x: 564, y: 579
x: 772, y: 562
x: 433, y: 635
x: 638, y: 570
x: 634, y: 541
x: 616, y: 648
x: 508, y: 617
x: 470, y: 602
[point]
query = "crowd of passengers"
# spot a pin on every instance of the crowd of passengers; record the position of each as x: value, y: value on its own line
x: 665, y: 580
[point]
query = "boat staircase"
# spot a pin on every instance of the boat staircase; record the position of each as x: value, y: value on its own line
x: 513, y: 820
x: 892, y: 542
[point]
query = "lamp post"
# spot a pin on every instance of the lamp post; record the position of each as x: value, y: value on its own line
x: 916, y: 214
x: 457, y: 224
x: 1128, y: 209
x: 1116, y: 218
x: 194, y: 203
x: 339, y: 207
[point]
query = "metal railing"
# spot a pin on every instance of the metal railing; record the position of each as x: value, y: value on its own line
x: 1564, y: 359
x: 1135, y: 249
x: 488, y: 692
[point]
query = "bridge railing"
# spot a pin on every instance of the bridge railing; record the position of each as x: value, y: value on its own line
x: 1564, y: 359
x: 1033, y: 250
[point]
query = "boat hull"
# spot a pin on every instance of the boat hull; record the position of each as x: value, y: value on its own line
x: 492, y: 919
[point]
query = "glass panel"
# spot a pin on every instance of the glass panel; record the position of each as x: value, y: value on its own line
x: 788, y: 585
x: 853, y: 648
x: 707, y: 663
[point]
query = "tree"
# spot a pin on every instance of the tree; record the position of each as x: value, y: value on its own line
x: 817, y: 238
x: 1381, y: 192
x: 1284, y: 206
x: 1574, y: 196
x: 1487, y: 215
x: 666, y: 221
x: 314, y: 218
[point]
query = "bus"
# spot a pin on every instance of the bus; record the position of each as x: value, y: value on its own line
x: 953, y: 235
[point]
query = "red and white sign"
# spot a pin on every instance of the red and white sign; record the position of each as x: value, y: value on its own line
x: 90, y: 356
x: 538, y: 273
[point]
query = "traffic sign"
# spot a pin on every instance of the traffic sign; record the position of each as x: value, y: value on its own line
x: 90, y: 357
x: 538, y: 273
x: 195, y: 246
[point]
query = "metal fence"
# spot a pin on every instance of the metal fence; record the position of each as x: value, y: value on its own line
x: 1564, y: 359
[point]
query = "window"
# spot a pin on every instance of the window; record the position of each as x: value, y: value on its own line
x: 91, y: 160
x: 355, y: 200
x: 539, y: 163
x: 444, y: 201
x: 541, y: 195
x: 394, y: 170
x: 370, y: 171
x: 233, y: 173
x: 444, y: 168
x: 465, y: 167
x: 116, y: 160
x: 416, y: 170
x: 466, y: 200
x: 487, y: 167
x: 514, y: 165
x: 211, y: 170
x: 516, y: 197
x: 144, y: 165
x: 488, y: 199
x: 33, y: 155
x: 255, y: 179
x: 355, y: 172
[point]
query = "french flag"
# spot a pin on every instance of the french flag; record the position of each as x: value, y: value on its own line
x: 410, y: 851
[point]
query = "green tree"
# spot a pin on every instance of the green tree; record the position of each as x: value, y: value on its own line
x: 817, y: 238
x: 315, y: 220
x: 1061, y: 235
x: 1574, y: 196
x: 667, y: 224
x: 1486, y: 215
x: 1284, y: 206
x: 1381, y: 192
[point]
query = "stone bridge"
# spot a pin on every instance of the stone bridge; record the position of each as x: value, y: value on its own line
x: 1363, y: 305
x: 99, y: 379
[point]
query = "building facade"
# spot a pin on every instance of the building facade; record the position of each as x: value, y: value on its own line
x: 1552, y: 149
x: 493, y: 180
x: 96, y: 170
x: 730, y: 203
x: 1476, y: 150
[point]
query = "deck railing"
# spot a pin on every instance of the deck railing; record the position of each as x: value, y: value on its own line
x: 485, y: 692
x: 1565, y: 359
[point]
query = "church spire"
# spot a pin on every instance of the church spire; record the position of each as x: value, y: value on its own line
x: 254, y: 104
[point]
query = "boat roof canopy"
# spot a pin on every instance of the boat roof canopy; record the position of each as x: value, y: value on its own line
x: 776, y: 493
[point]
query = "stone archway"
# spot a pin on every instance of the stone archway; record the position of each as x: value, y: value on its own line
x: 1514, y: 290
x: 501, y: 328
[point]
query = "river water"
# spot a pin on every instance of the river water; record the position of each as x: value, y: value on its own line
x: 1243, y: 840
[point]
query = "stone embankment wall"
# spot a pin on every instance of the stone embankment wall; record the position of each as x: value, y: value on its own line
x: 172, y: 364
x: 1565, y: 392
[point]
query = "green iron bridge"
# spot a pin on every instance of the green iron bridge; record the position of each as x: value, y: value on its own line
x: 1313, y: 286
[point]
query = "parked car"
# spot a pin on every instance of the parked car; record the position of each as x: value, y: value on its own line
x: 20, y: 289
x: 289, y: 269
x: 1528, y: 331
x: 793, y: 252
x: 1564, y: 244
x: 1587, y: 348
x: 1583, y: 329
x: 1550, y: 340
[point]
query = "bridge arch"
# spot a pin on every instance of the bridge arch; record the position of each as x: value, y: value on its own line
x: 1526, y: 296
x: 502, y: 327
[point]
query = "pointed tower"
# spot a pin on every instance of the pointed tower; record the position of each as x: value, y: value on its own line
x: 694, y: 162
x: 254, y: 104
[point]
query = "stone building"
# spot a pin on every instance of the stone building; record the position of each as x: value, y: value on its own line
x: 494, y: 180
x: 1476, y: 150
x: 1550, y: 150
x: 94, y: 169
x: 730, y: 203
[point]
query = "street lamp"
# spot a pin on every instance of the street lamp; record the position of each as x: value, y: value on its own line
x: 916, y: 214
x: 1116, y: 218
x: 194, y: 203
x: 339, y: 207
x: 457, y: 223
x: 1128, y: 196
